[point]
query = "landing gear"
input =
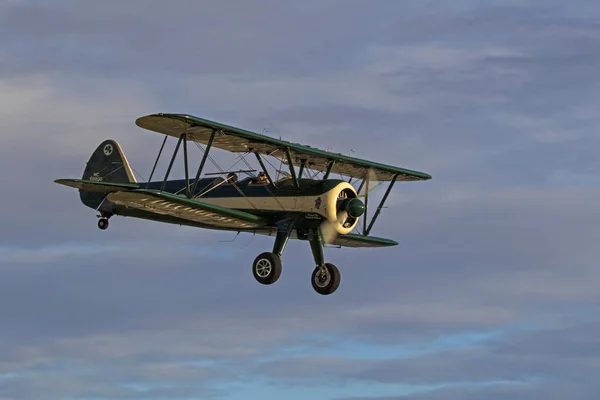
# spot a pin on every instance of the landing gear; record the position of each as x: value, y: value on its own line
x: 103, y: 223
x: 267, y: 268
x: 325, y: 279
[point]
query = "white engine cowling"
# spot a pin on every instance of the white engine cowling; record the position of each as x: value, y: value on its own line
x: 342, y: 208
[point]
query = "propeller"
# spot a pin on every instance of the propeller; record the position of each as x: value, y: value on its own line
x: 369, y: 179
x: 329, y: 228
x: 348, y: 209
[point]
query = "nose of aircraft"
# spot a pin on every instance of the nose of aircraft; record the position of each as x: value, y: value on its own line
x: 355, y: 207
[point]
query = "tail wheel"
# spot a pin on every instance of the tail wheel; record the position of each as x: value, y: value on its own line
x: 103, y: 223
x: 326, y: 279
x: 267, y: 268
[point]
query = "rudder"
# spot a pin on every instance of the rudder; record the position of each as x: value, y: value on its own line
x: 106, y: 164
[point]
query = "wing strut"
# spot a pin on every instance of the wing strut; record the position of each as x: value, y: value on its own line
x: 361, y: 186
x: 156, y: 162
x: 387, y: 192
x: 162, y: 188
x: 366, y: 182
x: 329, y: 168
x: 262, y: 164
x: 302, y: 165
x: 291, y: 165
x: 185, y: 166
x: 204, y: 156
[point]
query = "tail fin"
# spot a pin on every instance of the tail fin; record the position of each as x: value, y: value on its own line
x: 107, y: 164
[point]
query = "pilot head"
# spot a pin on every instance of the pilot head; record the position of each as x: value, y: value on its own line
x: 232, y: 177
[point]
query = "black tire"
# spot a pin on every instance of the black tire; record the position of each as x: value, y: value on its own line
x: 266, y: 268
x: 326, y: 284
x: 103, y: 223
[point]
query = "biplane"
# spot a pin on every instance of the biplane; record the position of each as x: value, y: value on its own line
x: 305, y: 203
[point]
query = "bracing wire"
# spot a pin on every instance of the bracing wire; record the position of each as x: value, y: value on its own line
x: 221, y: 170
x: 138, y: 174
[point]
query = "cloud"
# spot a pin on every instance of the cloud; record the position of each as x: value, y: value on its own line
x: 555, y: 356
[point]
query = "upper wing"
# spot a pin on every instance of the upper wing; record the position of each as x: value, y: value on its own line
x: 238, y: 140
x: 94, y: 186
x: 188, y: 209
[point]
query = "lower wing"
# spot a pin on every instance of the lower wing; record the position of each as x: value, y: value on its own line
x: 129, y: 195
x: 349, y: 240
x: 184, y: 208
x: 354, y: 240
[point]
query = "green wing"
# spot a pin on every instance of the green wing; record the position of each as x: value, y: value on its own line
x: 184, y: 208
x: 238, y: 140
x: 349, y: 240
x: 354, y: 240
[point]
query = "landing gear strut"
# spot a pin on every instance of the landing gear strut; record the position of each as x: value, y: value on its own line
x: 325, y: 278
x: 267, y: 266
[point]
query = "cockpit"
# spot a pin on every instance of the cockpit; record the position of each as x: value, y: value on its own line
x: 261, y: 179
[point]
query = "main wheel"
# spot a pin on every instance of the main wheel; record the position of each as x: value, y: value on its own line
x: 326, y: 280
x: 103, y: 223
x: 267, y: 268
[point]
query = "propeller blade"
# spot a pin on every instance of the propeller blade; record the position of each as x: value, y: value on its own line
x: 371, y: 177
x: 329, y: 232
x: 328, y: 228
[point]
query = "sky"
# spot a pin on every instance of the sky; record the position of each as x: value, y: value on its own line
x: 491, y: 293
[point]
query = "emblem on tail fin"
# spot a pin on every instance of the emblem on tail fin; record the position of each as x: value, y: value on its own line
x: 108, y: 149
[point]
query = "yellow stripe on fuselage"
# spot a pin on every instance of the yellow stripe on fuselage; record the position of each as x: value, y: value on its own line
x: 324, y: 204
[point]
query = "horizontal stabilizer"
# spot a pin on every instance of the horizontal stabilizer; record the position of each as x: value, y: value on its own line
x: 96, y: 186
x: 188, y: 209
x: 354, y: 240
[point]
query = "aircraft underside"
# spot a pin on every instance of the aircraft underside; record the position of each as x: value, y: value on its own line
x: 267, y: 266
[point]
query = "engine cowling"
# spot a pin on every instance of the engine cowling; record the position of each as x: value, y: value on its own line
x: 343, y: 208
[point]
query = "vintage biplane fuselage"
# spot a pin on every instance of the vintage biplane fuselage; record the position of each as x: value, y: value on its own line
x: 309, y: 205
x: 322, y: 210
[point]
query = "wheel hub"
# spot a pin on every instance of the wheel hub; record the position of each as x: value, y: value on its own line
x: 266, y: 268
x: 323, y: 277
x: 263, y: 267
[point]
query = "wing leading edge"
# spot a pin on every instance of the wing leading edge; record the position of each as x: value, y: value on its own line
x: 184, y: 208
x: 238, y: 140
x: 354, y: 240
